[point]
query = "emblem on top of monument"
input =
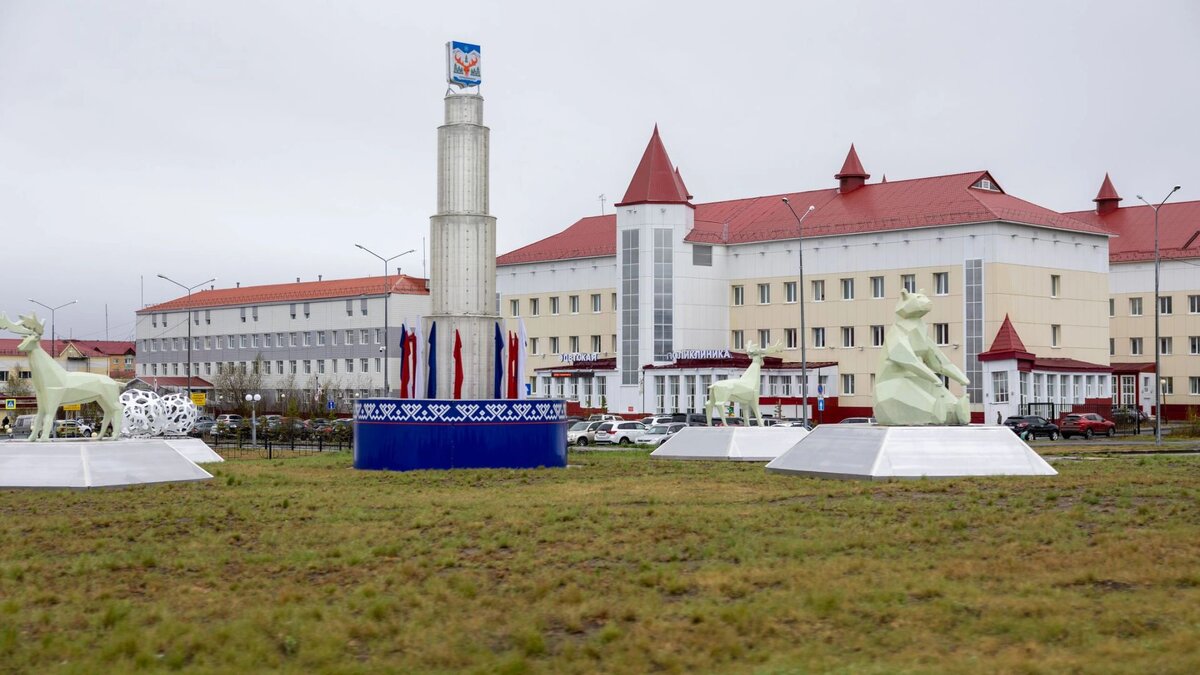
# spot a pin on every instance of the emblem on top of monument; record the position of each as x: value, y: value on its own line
x: 462, y: 64
x: 908, y: 389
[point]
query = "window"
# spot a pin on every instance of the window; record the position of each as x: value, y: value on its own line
x: 1194, y: 344
x: 306, y: 310
x: 941, y: 334
x: 268, y: 340
x: 847, y: 385
x: 1164, y: 346
x: 941, y: 283
x: 1055, y: 335
x: 291, y: 367
x: 597, y: 345
x: 1194, y: 304
x: 818, y: 290
x: 243, y: 313
x: 739, y: 341
x: 320, y: 338
x: 702, y: 255
x: 614, y: 343
x: 1194, y: 386
x: 1055, y: 285
x: 1000, y: 386
x: 574, y: 303
x: 364, y: 336
x: 292, y: 340
x: 1164, y: 304
x: 378, y: 364
x: 292, y: 311
x: 534, y: 310
x: 362, y: 365
x: 1168, y: 386
x: 614, y: 302
x: 243, y: 341
x: 1112, y: 346
x: 554, y: 306
x: 320, y: 366
x: 764, y: 294
x: 253, y: 341
x: 789, y: 292
x: 789, y: 338
x: 909, y: 282
x: 847, y: 289
x: 533, y: 346
x: 573, y: 344
x: 350, y: 337
x: 208, y: 316
x: 349, y: 365
x: 595, y: 303
x: 764, y: 337
x: 739, y: 296
x: 514, y: 307
x: 362, y: 307
x: 349, y: 308
x: 1135, y: 307
x: 554, y: 345
x: 1135, y: 346
x: 847, y: 336
x: 307, y: 338
x: 378, y: 336
x: 876, y: 287
x: 307, y: 367
x: 877, y: 333
x: 818, y: 337
x: 1112, y: 306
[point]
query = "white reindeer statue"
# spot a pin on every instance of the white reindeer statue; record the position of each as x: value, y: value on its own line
x: 742, y: 389
x: 56, y: 387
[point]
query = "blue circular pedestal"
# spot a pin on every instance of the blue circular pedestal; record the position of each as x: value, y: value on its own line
x: 408, y: 434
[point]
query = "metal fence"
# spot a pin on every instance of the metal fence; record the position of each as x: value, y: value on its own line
x: 241, y: 446
x: 1128, y: 420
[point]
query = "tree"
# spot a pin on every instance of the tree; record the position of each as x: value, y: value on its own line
x: 16, y: 385
x: 234, y: 381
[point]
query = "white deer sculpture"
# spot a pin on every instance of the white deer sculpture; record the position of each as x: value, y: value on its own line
x: 56, y: 387
x: 744, y: 389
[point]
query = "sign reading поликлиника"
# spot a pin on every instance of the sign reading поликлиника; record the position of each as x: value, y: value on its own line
x: 462, y: 64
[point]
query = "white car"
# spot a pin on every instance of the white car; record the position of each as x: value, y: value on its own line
x: 659, y: 433
x: 582, y: 433
x: 620, y: 433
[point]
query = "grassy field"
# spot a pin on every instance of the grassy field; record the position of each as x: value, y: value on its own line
x: 619, y: 563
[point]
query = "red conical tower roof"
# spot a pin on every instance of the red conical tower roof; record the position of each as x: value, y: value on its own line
x: 852, y: 168
x: 1007, y: 345
x: 682, y: 188
x: 655, y: 180
x: 1107, y: 191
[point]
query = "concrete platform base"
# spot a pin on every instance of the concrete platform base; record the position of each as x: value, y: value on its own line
x: 859, y: 451
x: 744, y: 444
x: 87, y: 464
x: 193, y: 448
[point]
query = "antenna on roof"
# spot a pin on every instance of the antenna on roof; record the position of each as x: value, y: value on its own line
x: 602, y: 199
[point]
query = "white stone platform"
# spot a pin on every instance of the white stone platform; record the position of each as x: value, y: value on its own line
x: 859, y: 451
x: 744, y: 444
x: 87, y: 463
x: 193, y: 448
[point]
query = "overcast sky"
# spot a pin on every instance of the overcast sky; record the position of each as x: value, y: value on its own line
x: 259, y: 141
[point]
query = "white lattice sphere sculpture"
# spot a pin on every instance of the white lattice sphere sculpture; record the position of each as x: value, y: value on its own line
x: 143, y: 412
x: 179, y: 414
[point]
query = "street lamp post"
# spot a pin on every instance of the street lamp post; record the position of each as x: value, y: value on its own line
x: 800, y: 284
x: 53, y: 335
x: 1157, y: 311
x: 387, y: 387
x: 253, y: 400
x: 189, y: 323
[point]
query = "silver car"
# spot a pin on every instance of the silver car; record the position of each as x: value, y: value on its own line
x: 659, y: 433
x: 583, y: 433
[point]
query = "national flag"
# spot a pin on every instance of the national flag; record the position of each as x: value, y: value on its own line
x: 431, y: 377
x: 404, y: 373
x: 419, y: 359
x: 458, y: 365
x: 411, y: 341
x: 522, y: 348
x: 498, y: 364
x: 512, y: 365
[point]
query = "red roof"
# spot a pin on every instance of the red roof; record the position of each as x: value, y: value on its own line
x: 1107, y: 191
x: 852, y: 168
x: 591, y: 237
x: 682, y: 188
x: 1127, y: 368
x: 89, y: 348
x: 163, y: 381
x: 1069, y: 365
x: 1007, y: 345
x: 297, y: 292
x: 1134, y: 227
x: 655, y: 181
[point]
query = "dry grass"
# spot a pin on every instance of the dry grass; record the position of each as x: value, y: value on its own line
x: 619, y: 564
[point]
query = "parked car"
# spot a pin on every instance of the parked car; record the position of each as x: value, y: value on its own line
x: 1086, y: 425
x: 202, y: 427
x: 858, y: 420
x: 600, y: 417
x: 583, y: 433
x: 23, y: 426
x: 72, y: 429
x: 659, y: 433
x: 226, y: 422
x: 729, y: 421
x: 1032, y: 426
x: 620, y: 433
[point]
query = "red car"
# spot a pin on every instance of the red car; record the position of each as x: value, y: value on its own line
x: 1086, y: 425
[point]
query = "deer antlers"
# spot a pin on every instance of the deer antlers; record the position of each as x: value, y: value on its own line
x: 28, y: 325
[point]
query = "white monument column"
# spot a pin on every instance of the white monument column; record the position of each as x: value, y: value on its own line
x: 462, y: 246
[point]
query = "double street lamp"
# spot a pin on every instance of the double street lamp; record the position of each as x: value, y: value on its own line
x: 387, y: 295
x: 803, y: 354
x: 1157, y: 311
x: 189, y: 290
x: 53, y: 340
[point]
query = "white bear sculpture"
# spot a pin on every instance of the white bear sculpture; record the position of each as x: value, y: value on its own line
x: 908, y: 391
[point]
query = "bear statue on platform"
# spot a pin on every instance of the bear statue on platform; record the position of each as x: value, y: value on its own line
x: 908, y: 391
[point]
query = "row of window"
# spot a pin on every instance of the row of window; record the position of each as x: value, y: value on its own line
x: 849, y: 335
x: 1166, y: 346
x: 1165, y: 305
x: 293, y: 367
x: 1051, y: 387
x: 252, y: 312
x: 265, y: 340
x: 941, y: 286
x: 595, y: 345
x: 535, y: 305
